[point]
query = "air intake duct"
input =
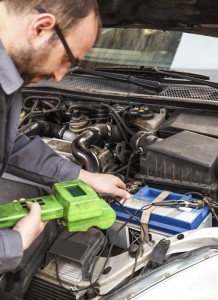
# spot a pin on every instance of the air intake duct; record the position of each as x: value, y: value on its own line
x: 94, y: 136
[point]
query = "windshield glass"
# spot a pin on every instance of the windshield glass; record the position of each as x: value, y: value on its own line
x: 155, y: 48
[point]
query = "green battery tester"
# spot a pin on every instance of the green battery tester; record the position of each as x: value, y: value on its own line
x: 76, y: 203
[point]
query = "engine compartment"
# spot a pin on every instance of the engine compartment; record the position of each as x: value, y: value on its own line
x: 167, y: 142
x: 163, y: 141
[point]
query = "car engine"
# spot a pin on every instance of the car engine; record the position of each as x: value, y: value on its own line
x: 162, y: 145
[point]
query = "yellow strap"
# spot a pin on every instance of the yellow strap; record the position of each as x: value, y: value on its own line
x: 146, y: 215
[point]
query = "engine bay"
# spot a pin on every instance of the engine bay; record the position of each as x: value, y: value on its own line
x: 164, y: 147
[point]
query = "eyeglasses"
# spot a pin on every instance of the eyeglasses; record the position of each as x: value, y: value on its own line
x: 73, y: 60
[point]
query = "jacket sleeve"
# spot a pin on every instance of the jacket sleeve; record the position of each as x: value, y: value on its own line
x: 34, y: 160
x: 11, y: 250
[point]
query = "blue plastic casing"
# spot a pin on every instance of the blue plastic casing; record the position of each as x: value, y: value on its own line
x: 165, y: 219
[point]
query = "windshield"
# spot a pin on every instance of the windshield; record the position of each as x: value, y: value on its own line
x: 155, y: 48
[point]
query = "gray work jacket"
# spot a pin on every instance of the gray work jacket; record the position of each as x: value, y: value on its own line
x: 28, y: 158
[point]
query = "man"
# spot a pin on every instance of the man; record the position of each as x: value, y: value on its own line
x: 31, y: 50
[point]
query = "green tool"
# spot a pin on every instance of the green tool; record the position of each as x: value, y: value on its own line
x: 76, y: 203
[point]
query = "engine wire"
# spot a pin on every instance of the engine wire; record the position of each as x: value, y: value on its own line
x: 37, y: 100
x: 147, y: 206
x: 130, y: 162
x: 123, y: 168
x: 121, y: 130
x: 208, y: 200
x: 131, y: 132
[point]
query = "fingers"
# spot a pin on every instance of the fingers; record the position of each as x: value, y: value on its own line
x: 117, y: 187
x: 105, y: 183
x: 34, y: 210
x: 30, y: 226
x: 121, y: 189
x: 35, y: 213
x: 120, y: 183
x: 123, y: 194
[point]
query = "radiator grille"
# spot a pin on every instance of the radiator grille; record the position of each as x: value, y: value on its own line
x: 43, y: 290
x: 90, y: 84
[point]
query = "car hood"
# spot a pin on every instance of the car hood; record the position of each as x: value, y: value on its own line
x: 197, y: 16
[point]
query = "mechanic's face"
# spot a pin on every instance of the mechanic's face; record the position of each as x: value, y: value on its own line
x: 50, y: 59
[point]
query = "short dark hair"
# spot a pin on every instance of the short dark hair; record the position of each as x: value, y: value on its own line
x: 67, y: 12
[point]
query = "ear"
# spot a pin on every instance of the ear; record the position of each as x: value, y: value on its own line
x: 41, y: 25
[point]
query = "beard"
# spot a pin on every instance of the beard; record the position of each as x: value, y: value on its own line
x: 31, y: 63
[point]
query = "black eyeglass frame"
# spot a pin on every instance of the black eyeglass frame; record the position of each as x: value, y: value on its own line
x: 73, y: 60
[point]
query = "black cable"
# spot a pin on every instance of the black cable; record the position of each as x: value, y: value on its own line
x: 109, y: 253
x: 107, y: 258
x: 112, y: 245
x: 130, y: 162
x: 121, y: 130
x: 209, y: 203
x: 144, y: 269
x: 195, y: 193
x: 119, y: 118
x: 58, y: 277
x: 147, y: 206
x: 126, y: 280
x: 85, y: 106
x: 123, y: 168
x: 45, y: 99
x: 135, y: 264
x: 42, y: 112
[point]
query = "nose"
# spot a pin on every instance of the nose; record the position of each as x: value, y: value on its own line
x: 59, y: 73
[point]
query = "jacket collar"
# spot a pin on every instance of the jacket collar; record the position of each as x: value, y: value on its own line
x: 10, y: 79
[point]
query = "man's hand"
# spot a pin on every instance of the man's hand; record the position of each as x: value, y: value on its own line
x: 30, y: 226
x: 105, y: 183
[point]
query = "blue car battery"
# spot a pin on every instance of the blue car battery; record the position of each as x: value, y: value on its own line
x: 163, y: 221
